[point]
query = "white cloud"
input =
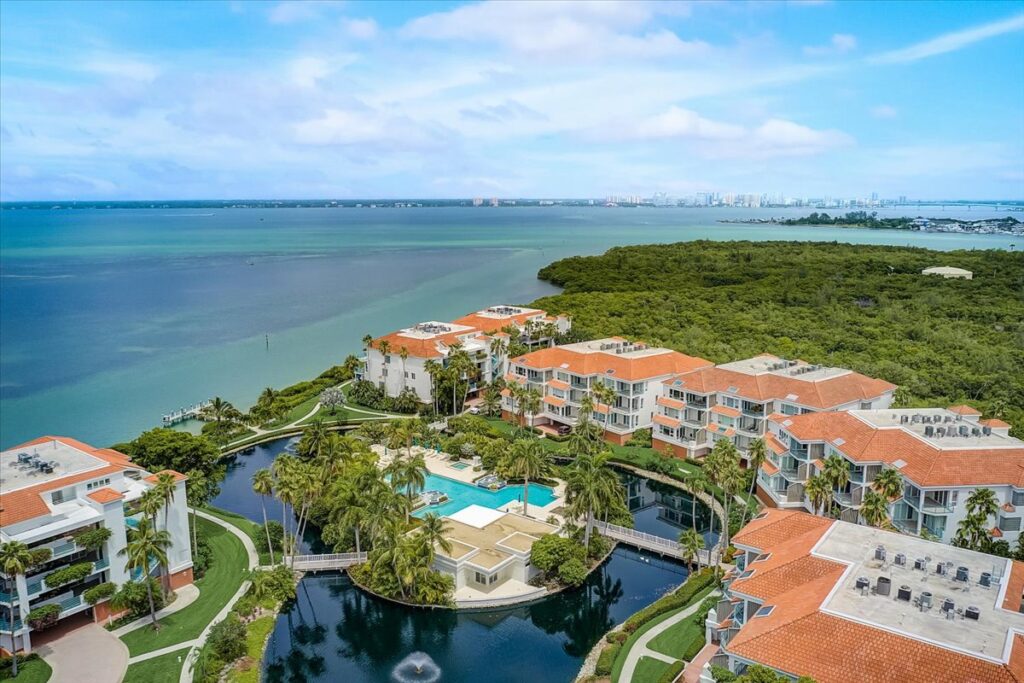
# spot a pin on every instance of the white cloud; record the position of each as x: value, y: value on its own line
x: 949, y: 42
x: 361, y: 29
x: 884, y: 111
x: 841, y: 43
x: 567, y: 30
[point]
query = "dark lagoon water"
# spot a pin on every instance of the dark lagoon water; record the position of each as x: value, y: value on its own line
x: 335, y: 632
x: 110, y: 318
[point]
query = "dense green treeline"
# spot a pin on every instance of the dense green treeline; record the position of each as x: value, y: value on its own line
x: 859, y: 306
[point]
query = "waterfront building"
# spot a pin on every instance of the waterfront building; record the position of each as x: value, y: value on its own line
x: 841, y: 602
x: 563, y: 375
x: 398, y: 361
x: 490, y: 554
x: 52, y: 490
x: 734, y: 400
x: 942, y: 455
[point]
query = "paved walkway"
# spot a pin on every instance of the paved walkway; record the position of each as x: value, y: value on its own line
x: 87, y: 653
x: 640, y: 648
x: 254, y: 561
x: 186, y: 596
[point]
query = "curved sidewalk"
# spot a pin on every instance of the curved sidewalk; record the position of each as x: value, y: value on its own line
x: 254, y: 561
x: 640, y: 648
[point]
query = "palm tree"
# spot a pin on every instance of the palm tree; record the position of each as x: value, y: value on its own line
x: 836, y: 472
x: 889, y: 483
x: 433, y: 530
x: 15, y: 559
x: 874, y: 509
x: 527, y: 460
x: 757, y: 454
x: 698, y: 483
x: 146, y: 542
x: 592, y: 487
x: 691, y: 543
x: 263, y: 485
x: 819, y: 491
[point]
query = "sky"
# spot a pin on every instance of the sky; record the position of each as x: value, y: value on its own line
x: 293, y: 100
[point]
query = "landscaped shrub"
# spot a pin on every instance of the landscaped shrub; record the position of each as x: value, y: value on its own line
x: 93, y: 539
x: 606, y: 659
x: 98, y: 593
x: 75, y: 572
x: 671, y: 673
x: 227, y: 638
x: 572, y: 572
x: 43, y: 617
x: 694, y: 585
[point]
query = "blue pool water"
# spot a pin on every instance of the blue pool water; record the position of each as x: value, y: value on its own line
x: 463, y: 495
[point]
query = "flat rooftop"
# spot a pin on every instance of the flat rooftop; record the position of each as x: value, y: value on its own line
x: 67, y: 460
x: 794, y: 369
x: 616, y: 346
x: 938, y: 427
x: 432, y: 329
x: 491, y: 534
x: 988, y: 637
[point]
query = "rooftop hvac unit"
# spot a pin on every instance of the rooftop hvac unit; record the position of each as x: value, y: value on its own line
x: 961, y: 574
x: 880, y: 553
x: 972, y: 613
x: 929, y: 431
x: 883, y: 586
x: 986, y: 579
x: 900, y: 559
x: 903, y: 593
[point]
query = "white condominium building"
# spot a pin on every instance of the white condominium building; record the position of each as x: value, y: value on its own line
x: 484, y: 335
x: 52, y: 490
x: 840, y: 602
x: 563, y: 375
x: 734, y: 400
x: 942, y: 454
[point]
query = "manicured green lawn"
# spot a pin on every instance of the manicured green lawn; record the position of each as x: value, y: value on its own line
x: 648, y: 670
x: 245, y: 524
x: 32, y: 671
x: 221, y: 582
x: 677, y: 639
x: 158, y: 669
x: 255, y: 637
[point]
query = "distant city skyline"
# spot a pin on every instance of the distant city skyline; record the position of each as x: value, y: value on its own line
x: 298, y: 100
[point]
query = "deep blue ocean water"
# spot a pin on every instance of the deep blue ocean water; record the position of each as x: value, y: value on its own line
x: 110, y: 318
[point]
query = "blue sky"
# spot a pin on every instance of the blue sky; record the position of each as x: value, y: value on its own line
x: 351, y: 99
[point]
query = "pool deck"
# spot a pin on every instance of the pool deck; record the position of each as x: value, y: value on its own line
x: 440, y: 464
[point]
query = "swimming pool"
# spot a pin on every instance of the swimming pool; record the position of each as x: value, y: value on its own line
x: 462, y: 495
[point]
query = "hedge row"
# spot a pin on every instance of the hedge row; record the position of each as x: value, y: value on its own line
x: 680, y: 598
x: 606, y: 659
x: 672, y: 672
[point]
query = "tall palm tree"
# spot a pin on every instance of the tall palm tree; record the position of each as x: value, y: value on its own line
x: 819, y: 492
x: 757, y: 454
x: 836, y: 472
x: 889, y: 483
x: 527, y: 460
x: 592, y: 487
x: 15, y: 559
x: 145, y: 542
x: 433, y: 529
x: 874, y: 509
x: 263, y: 486
x: 691, y: 543
x: 698, y: 483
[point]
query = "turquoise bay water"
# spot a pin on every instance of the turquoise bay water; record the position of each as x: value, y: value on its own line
x: 111, y: 317
x: 462, y: 495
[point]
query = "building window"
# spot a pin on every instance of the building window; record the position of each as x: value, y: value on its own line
x: 1009, y: 523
